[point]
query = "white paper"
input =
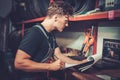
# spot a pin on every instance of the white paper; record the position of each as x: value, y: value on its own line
x: 95, y: 57
x: 70, y: 65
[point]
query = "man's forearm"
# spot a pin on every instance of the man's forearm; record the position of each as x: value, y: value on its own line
x: 31, y: 66
x: 69, y: 60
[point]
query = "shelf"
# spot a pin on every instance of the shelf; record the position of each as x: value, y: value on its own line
x: 34, y: 20
x: 98, y: 15
x: 110, y: 15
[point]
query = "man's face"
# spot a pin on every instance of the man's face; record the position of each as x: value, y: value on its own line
x: 61, y: 22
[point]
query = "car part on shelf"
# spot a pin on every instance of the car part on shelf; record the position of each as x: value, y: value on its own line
x: 82, y: 6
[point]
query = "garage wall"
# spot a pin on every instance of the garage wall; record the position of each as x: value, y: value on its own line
x: 108, y: 30
x: 70, y: 39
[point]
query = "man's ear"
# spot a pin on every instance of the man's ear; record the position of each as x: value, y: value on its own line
x: 55, y: 17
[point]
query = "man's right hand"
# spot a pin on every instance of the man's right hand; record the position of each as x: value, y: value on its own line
x: 57, y: 65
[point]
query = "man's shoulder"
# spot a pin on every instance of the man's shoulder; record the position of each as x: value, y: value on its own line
x: 34, y: 30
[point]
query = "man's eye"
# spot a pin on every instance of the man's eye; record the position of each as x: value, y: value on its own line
x: 66, y: 21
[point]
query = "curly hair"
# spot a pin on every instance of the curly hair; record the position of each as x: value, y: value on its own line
x: 60, y: 8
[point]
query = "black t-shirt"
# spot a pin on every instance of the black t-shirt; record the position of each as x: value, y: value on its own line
x: 36, y: 44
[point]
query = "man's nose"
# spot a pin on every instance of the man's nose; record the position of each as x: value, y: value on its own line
x: 66, y: 24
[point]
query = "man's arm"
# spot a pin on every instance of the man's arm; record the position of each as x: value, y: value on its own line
x: 23, y: 62
x: 66, y: 59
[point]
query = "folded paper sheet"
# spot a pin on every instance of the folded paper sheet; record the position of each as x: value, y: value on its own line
x: 86, y: 65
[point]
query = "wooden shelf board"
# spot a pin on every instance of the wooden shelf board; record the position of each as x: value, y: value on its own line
x: 93, y: 16
x: 97, y: 15
x: 34, y: 20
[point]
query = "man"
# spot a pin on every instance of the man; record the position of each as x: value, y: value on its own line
x: 38, y: 45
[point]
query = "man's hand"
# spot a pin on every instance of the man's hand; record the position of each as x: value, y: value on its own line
x: 57, y: 65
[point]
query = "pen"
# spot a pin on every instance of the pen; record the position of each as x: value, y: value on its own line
x: 56, y: 57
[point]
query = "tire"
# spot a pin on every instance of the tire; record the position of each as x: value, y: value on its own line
x: 82, y: 6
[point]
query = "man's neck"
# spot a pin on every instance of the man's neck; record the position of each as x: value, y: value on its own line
x: 47, y: 25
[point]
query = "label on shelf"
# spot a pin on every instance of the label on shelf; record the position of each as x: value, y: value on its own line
x: 111, y: 15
